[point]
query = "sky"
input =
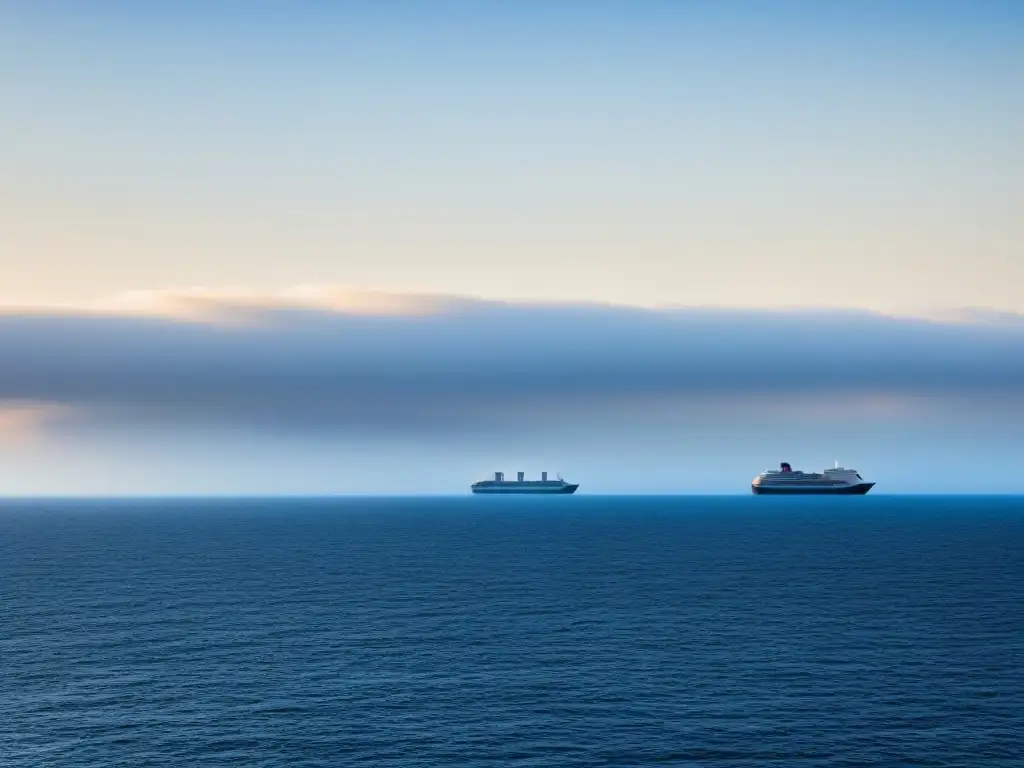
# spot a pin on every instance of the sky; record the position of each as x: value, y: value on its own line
x: 322, y: 247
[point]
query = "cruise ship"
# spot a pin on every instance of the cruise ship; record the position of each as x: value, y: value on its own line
x: 836, y: 481
x: 520, y: 485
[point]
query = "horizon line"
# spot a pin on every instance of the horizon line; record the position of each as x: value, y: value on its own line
x: 452, y: 495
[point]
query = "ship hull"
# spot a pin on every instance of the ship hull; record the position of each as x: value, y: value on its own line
x: 510, y: 489
x: 810, y: 490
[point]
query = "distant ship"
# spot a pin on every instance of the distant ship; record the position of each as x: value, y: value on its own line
x: 500, y: 485
x: 836, y: 481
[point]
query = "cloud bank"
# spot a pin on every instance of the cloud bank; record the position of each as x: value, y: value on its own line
x: 353, y: 362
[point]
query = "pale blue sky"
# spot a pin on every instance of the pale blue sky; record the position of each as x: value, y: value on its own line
x: 793, y: 153
x: 233, y: 166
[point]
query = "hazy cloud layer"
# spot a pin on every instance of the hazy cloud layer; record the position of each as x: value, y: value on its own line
x: 446, y: 364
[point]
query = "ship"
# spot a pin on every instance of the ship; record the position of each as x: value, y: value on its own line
x: 837, y: 481
x: 520, y: 485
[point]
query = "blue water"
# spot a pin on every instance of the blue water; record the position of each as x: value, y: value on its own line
x: 568, y: 631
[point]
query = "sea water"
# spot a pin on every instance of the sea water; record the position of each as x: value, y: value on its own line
x: 476, y: 631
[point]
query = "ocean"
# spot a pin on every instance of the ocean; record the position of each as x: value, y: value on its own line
x: 510, y: 631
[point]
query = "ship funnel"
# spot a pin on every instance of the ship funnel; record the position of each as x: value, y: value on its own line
x: 519, y: 476
x: 544, y: 476
x: 499, y: 476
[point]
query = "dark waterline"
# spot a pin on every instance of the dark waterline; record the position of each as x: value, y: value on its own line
x: 462, y: 631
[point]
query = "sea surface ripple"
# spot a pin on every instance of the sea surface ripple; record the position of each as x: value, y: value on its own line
x: 471, y: 632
